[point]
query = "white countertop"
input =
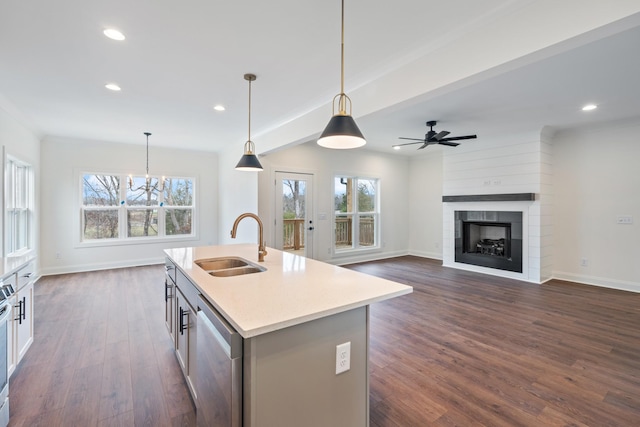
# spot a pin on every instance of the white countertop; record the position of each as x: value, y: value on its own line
x: 291, y: 291
x: 10, y: 265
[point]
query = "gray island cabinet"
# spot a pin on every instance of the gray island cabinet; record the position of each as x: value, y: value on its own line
x: 283, y: 342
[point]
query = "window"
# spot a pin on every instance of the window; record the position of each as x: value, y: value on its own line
x: 19, y: 186
x: 356, y: 213
x: 142, y: 208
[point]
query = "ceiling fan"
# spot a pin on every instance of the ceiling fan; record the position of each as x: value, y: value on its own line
x: 432, y: 137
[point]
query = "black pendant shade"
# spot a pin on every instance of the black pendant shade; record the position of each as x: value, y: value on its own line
x: 342, y: 132
x: 249, y: 162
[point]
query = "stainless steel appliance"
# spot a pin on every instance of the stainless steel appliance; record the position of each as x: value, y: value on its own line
x: 219, y: 370
x: 6, y: 305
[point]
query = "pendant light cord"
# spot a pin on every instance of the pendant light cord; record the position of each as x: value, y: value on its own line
x: 342, y: 98
x: 249, y: 138
x: 147, y: 133
x: 342, y: 52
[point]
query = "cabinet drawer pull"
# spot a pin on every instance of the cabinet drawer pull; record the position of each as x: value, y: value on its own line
x: 19, y: 307
x: 183, y: 325
x: 167, y: 287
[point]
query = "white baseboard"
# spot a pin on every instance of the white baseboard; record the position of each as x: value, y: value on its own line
x: 598, y: 281
x: 430, y: 255
x: 366, y: 257
x: 66, y: 269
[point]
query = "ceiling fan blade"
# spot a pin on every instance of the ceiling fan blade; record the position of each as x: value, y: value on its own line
x: 408, y: 143
x: 450, y: 144
x: 411, y: 139
x: 441, y: 135
x: 458, y: 138
x: 424, y: 145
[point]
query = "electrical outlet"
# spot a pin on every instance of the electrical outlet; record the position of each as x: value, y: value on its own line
x: 624, y: 219
x: 343, y: 357
x: 584, y: 262
x: 57, y: 255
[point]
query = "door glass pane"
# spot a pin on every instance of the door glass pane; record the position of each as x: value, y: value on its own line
x: 293, y: 214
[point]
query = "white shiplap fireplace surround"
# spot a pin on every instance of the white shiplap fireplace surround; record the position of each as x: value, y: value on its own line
x: 500, y: 170
x: 530, y: 241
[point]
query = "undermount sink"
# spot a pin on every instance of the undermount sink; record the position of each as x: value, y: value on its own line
x: 228, y: 266
x: 235, y: 271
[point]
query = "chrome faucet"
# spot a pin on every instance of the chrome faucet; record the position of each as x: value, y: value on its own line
x: 262, y: 251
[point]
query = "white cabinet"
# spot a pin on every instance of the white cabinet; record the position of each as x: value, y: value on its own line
x: 20, y: 326
x: 23, y: 320
x: 11, y: 282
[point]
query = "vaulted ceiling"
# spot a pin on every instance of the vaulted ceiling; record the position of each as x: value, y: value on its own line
x: 491, y: 67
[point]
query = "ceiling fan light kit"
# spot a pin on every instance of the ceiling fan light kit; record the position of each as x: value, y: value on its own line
x: 432, y: 138
x: 342, y: 132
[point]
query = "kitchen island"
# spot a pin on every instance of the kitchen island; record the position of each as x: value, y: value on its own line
x: 304, y: 326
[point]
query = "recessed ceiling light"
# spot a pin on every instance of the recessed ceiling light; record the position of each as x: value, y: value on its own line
x: 396, y: 147
x: 114, y: 34
x: 589, y: 107
x: 113, y: 87
x: 219, y: 108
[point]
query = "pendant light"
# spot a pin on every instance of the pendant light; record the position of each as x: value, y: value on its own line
x: 147, y: 179
x: 249, y: 161
x: 342, y: 131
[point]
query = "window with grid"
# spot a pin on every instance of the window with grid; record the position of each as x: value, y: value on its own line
x: 19, y: 187
x: 120, y: 207
x: 357, y: 216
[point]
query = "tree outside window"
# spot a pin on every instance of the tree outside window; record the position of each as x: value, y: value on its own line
x: 143, y: 207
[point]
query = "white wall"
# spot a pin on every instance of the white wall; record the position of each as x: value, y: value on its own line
x: 393, y: 172
x: 19, y: 141
x: 425, y: 204
x: 238, y: 193
x: 62, y: 161
x: 596, y: 179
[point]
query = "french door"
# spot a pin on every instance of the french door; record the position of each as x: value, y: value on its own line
x: 294, y: 213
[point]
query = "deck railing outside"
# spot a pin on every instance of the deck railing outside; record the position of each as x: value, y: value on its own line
x: 294, y: 235
x: 293, y: 230
x: 344, y: 232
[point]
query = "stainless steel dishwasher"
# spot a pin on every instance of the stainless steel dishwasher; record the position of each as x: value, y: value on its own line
x: 219, y: 369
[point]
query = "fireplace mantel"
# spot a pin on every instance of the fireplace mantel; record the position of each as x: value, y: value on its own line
x: 513, y: 197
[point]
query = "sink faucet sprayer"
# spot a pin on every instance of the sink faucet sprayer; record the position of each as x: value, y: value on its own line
x: 261, y: 245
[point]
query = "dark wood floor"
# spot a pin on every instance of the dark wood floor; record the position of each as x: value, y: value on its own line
x: 463, y: 349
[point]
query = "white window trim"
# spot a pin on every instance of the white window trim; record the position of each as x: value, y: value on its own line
x: 357, y: 249
x: 123, y: 208
x: 30, y: 203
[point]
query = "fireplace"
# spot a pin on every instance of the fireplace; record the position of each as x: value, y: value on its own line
x: 490, y: 239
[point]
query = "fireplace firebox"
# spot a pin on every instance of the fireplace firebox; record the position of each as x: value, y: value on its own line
x: 490, y: 239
